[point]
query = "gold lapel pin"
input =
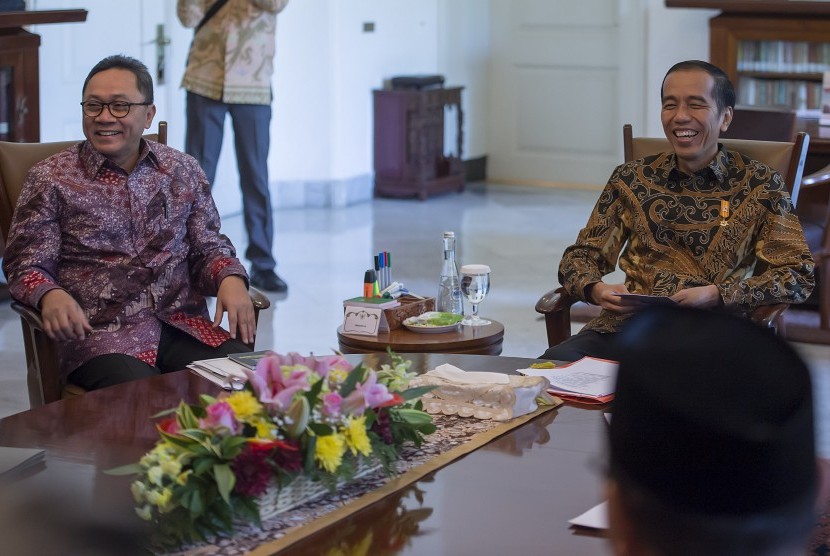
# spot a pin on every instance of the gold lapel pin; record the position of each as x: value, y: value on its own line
x: 724, y: 213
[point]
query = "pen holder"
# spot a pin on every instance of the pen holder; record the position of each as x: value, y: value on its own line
x: 409, y: 307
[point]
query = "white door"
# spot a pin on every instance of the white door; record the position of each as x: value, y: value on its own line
x: 566, y: 76
x: 69, y: 50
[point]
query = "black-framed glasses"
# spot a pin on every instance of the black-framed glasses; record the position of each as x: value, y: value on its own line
x: 118, y: 108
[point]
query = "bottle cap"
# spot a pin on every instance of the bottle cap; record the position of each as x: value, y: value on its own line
x: 369, y: 277
x: 449, y: 234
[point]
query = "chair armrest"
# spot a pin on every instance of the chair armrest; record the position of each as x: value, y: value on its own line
x: 767, y: 316
x: 556, y: 306
x: 554, y: 301
x: 29, y: 314
x: 819, y: 178
x: 259, y: 299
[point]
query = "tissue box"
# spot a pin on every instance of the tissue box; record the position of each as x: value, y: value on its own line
x: 501, y: 399
x: 409, y: 307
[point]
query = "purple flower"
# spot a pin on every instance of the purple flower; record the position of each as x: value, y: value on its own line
x: 367, y: 394
x: 324, y: 365
x: 220, y: 415
x: 277, y: 378
x: 331, y: 404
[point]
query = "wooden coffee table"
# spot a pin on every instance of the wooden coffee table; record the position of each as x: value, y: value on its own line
x: 480, y: 340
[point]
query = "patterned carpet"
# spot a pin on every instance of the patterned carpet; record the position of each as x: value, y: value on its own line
x: 820, y: 545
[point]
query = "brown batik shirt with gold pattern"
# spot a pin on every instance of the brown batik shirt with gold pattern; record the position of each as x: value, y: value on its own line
x: 671, y: 231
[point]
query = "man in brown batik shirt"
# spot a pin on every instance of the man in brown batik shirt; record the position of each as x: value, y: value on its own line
x: 703, y: 225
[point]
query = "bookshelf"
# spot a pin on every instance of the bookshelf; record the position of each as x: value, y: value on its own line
x: 774, y: 51
x: 773, y: 60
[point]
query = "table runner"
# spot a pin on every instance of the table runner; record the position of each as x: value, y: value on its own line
x: 454, y: 438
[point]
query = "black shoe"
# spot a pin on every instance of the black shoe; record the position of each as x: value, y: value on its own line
x: 269, y: 281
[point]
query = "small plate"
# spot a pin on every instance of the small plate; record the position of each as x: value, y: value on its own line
x: 420, y: 324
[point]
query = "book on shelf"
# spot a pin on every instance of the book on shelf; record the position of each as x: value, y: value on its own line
x: 372, y: 302
x: 589, y: 380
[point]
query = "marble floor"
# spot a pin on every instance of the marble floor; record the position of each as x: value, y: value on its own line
x: 323, y: 253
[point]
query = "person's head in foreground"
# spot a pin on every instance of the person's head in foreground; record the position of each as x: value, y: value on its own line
x: 711, y: 439
x: 698, y: 102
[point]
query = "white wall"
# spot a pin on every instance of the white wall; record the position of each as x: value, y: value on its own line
x: 673, y: 35
x: 325, y: 70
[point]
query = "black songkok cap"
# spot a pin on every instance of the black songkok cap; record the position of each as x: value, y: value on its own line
x: 712, y: 414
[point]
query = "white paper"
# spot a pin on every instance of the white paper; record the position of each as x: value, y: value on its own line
x: 222, y: 366
x: 595, y: 518
x: 588, y: 376
x: 454, y: 374
x: 15, y: 460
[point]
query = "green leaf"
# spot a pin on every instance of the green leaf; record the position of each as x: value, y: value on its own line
x: 187, y: 419
x: 355, y: 376
x: 320, y: 429
x: 163, y: 413
x: 413, y: 416
x: 314, y: 392
x: 225, y: 480
x: 130, y: 469
x: 417, y: 392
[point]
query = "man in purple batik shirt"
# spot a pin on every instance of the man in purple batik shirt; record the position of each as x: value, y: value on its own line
x: 116, y: 240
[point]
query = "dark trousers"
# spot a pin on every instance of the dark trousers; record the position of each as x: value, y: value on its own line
x: 251, y: 133
x: 583, y: 344
x: 176, y: 350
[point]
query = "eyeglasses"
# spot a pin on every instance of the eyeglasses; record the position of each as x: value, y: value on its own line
x: 118, y: 109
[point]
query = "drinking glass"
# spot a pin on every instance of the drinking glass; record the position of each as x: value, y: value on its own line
x: 475, y: 283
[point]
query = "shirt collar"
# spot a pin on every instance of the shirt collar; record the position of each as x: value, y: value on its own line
x: 93, y: 161
x: 718, y: 168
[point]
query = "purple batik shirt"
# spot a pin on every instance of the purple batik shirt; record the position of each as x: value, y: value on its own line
x: 134, y: 250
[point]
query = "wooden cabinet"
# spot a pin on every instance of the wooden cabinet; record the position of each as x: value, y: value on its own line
x: 409, y: 150
x: 19, y: 87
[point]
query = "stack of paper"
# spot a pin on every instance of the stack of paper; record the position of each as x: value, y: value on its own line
x: 16, y: 461
x: 221, y: 371
x: 589, y: 380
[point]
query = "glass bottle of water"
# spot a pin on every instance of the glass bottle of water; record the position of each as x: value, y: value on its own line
x: 449, y: 287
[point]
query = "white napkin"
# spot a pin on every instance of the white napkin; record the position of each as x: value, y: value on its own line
x: 454, y: 374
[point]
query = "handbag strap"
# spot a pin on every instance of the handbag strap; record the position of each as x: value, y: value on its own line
x: 215, y: 7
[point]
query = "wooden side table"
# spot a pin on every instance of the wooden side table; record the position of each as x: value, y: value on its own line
x: 478, y: 340
x: 409, y: 142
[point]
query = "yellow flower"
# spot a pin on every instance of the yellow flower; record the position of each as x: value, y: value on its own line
x: 244, y: 404
x: 264, y: 428
x: 138, y: 489
x: 171, y: 467
x: 145, y: 512
x: 154, y: 475
x: 329, y: 451
x: 182, y: 478
x: 356, y: 437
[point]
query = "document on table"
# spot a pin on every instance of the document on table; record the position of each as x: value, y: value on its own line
x: 589, y: 379
x: 218, y: 370
x: 14, y: 461
x: 595, y: 518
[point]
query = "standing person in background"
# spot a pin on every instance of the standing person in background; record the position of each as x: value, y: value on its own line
x: 229, y: 70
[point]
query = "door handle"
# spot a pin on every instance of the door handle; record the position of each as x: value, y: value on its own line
x: 161, y: 41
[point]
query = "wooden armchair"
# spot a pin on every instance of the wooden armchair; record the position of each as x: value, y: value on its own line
x: 787, y: 158
x: 43, y: 378
x: 810, y: 321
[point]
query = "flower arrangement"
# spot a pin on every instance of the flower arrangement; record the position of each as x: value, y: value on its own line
x: 309, y: 418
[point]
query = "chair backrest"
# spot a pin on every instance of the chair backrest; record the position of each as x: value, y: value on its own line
x: 762, y: 123
x: 785, y: 157
x: 17, y: 158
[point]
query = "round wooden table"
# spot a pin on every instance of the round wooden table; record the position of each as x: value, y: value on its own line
x: 480, y: 340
